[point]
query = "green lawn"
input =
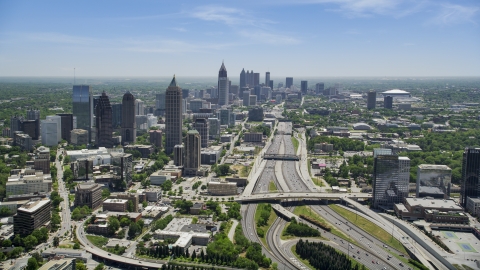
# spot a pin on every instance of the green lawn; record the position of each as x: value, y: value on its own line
x: 305, y: 210
x: 369, y: 227
x: 98, y: 241
x: 295, y: 143
x: 272, y: 187
x: 265, y: 228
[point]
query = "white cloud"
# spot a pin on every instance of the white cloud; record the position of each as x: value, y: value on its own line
x: 229, y: 16
x: 455, y: 14
x: 260, y: 36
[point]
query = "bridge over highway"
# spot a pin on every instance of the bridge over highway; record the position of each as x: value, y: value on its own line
x: 301, y: 195
x: 280, y: 157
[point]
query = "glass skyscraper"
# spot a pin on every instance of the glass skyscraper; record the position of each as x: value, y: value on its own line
x: 83, y: 107
x: 470, y: 174
x: 391, y: 175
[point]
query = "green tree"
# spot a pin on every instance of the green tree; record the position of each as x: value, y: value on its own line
x: 113, y: 224
x: 7, y: 243
x: 80, y: 265
x: 105, y: 193
x: 100, y: 266
x: 56, y: 241
x: 76, y: 246
x: 167, y: 185
x: 32, y: 264
x: 30, y: 241
x: 130, y: 206
x: 124, y: 221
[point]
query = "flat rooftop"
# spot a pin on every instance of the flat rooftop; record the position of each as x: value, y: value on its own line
x: 434, y: 203
x: 33, y: 206
x: 433, y: 167
x: 115, y: 201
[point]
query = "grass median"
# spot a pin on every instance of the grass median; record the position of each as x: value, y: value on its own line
x: 295, y: 143
x: 262, y: 230
x: 98, y: 241
x: 369, y: 227
x: 307, y: 211
x: 272, y: 186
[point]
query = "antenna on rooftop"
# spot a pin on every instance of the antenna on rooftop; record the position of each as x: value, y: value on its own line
x: 73, y: 76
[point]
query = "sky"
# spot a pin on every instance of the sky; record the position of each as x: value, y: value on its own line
x: 286, y: 37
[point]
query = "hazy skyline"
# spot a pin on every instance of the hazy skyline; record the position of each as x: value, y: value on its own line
x: 304, y: 38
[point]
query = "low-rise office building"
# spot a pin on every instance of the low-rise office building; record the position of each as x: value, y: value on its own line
x: 473, y: 206
x: 115, y: 205
x: 253, y: 137
x: 89, y: 194
x: 60, y: 264
x: 159, y: 177
x: 23, y: 184
x: 222, y: 188
x: 431, y: 210
x: 31, y: 216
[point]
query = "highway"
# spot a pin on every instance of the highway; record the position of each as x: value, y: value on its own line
x: 112, y: 257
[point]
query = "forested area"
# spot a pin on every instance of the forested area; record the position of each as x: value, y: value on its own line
x: 344, y: 144
x: 300, y: 229
x: 322, y: 256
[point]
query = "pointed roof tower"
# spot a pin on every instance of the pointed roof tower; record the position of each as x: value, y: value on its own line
x: 223, y: 71
x: 174, y: 82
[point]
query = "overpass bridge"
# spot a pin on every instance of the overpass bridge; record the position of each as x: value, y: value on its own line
x: 300, y: 196
x: 280, y: 157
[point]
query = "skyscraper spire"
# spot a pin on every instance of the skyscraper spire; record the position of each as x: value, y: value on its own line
x: 174, y: 81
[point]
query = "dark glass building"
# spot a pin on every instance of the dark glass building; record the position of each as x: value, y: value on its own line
x: 304, y: 87
x: 173, y: 116
x: 288, y: 82
x: 83, y: 107
x: 103, y: 122
x: 371, y: 100
x: 67, y: 125
x: 388, y: 102
x: 129, y: 127
x: 470, y: 174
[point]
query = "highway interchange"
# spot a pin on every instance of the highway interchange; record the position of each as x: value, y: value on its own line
x: 285, y: 175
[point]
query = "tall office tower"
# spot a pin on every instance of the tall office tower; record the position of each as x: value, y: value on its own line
x: 222, y: 86
x: 116, y: 115
x: 249, y: 78
x: 213, y: 128
x: 49, y: 132
x: 58, y: 120
x: 246, y: 98
x: 192, y: 152
x: 470, y: 174
x: 224, y: 116
x: 288, y: 82
x: 139, y: 107
x: 319, y: 87
x: 178, y: 155
x: 156, y: 138
x: 66, y: 125
x: 129, y: 126
x: 15, y: 124
x: 304, y: 87
x: 243, y: 81
x: 33, y: 114
x: 82, y: 107
x: 391, y: 175
x: 434, y: 181
x: 201, y: 125
x: 103, y: 122
x: 234, y: 89
x: 31, y: 127
x: 160, y: 104
x: 371, y: 100
x: 185, y: 93
x: 257, y: 91
x: 243, y: 89
x: 267, y: 78
x: 266, y: 92
x: 95, y: 99
x: 173, y: 116
x: 256, y: 79
x: 271, y: 84
x: 388, y: 102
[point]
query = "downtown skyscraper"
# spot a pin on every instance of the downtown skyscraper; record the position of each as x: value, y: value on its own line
x: 82, y: 107
x: 222, y: 86
x: 243, y: 79
x: 470, y: 174
x: 173, y: 116
x: 103, y: 122
x: 129, y: 127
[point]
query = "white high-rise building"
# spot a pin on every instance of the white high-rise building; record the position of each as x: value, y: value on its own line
x: 49, y: 131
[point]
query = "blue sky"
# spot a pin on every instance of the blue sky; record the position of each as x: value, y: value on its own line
x: 286, y: 37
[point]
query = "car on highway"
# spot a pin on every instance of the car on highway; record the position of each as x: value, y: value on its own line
x: 109, y: 254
